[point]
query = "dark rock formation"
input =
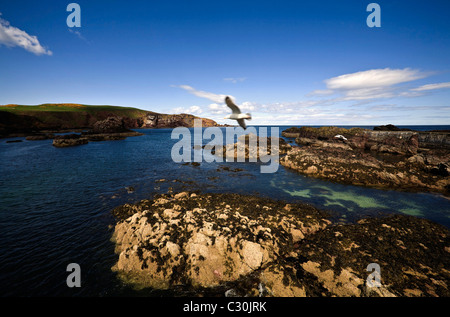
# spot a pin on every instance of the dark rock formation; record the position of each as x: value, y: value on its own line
x: 413, y: 255
x: 40, y: 136
x: 112, y: 128
x: 389, y: 127
x: 17, y: 125
x: 382, y: 159
x: 110, y: 125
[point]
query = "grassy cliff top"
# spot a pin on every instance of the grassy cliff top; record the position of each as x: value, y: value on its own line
x: 71, y: 107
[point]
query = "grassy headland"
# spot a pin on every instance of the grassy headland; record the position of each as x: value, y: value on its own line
x: 24, y: 119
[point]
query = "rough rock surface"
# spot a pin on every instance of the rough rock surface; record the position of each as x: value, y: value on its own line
x: 413, y: 255
x: 234, y: 245
x: 207, y: 240
x: 375, y: 158
x: 69, y: 140
x: 110, y: 125
x: 253, y: 147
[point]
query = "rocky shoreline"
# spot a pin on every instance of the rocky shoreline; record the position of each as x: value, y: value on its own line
x: 237, y: 245
x: 401, y: 160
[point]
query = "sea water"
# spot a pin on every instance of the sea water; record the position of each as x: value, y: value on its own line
x: 55, y: 204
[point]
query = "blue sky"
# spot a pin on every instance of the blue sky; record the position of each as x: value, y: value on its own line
x: 286, y: 62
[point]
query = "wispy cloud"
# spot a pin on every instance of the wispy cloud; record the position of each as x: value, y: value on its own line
x: 371, y: 84
x: 353, y: 98
x: 78, y: 34
x: 432, y: 87
x: 11, y: 36
x: 373, y: 78
x: 217, y: 98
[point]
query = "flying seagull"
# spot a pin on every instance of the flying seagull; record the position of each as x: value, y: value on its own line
x: 237, y: 115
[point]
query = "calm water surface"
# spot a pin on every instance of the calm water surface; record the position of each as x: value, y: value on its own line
x: 55, y: 205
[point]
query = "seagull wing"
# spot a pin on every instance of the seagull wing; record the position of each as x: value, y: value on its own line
x: 233, y: 107
x: 242, y: 123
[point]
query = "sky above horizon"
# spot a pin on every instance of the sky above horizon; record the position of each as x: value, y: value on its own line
x: 285, y: 62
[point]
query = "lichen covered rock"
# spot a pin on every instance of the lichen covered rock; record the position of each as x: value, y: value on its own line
x: 235, y: 245
x: 207, y: 240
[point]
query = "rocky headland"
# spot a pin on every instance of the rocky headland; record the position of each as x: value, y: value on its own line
x: 235, y: 245
x: 391, y: 159
x: 17, y: 120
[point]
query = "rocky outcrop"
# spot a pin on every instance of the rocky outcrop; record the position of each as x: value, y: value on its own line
x: 234, y: 245
x: 252, y: 147
x: 207, y: 240
x: 395, y: 140
x: 155, y: 120
x: 112, y: 128
x: 381, y: 159
x: 421, y: 172
x: 389, y: 127
x: 109, y: 125
x: 69, y: 140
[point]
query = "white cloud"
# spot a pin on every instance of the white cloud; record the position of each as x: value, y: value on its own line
x: 432, y: 86
x: 374, y: 78
x: 204, y: 94
x: 11, y: 36
x: 370, y: 84
x: 218, y: 108
x: 195, y: 110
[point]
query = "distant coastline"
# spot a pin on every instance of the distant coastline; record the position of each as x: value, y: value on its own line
x: 19, y: 120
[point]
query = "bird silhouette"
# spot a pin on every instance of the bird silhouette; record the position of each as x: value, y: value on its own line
x: 236, y: 113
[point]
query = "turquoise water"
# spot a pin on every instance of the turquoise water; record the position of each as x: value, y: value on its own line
x: 55, y: 205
